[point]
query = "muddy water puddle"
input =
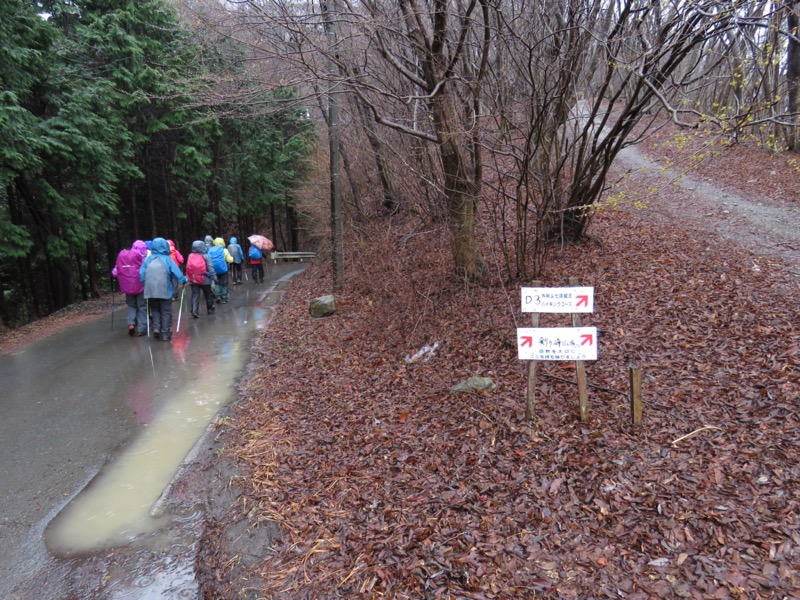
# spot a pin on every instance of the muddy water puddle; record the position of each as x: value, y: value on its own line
x: 108, y: 473
x: 186, y: 385
x: 117, y: 506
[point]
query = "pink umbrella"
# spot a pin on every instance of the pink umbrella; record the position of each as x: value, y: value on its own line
x: 262, y: 243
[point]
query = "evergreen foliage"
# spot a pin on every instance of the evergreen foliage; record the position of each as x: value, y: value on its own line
x: 103, y: 144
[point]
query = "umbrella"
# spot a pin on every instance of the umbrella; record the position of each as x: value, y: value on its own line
x: 262, y: 243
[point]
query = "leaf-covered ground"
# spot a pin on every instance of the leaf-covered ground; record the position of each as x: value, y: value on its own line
x: 385, y: 484
x: 74, y: 314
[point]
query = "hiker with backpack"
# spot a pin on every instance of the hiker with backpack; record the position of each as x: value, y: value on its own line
x: 235, y: 250
x: 126, y: 270
x: 157, y: 273
x: 256, y: 256
x: 201, y: 274
x: 220, y: 259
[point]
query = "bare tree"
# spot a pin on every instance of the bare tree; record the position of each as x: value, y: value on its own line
x: 438, y: 52
x: 415, y: 68
x: 542, y: 94
x: 793, y: 72
x: 574, y: 79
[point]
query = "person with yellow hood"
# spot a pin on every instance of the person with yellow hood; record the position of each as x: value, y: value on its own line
x: 220, y: 259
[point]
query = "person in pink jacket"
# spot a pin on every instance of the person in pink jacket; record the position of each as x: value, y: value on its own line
x: 126, y: 270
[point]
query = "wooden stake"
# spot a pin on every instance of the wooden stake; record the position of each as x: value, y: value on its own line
x: 580, y: 368
x: 635, y: 377
x: 530, y: 398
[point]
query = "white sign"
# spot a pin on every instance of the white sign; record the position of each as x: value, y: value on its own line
x: 558, y: 300
x: 557, y: 343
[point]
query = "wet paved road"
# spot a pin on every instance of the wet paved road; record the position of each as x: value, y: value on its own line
x: 74, y: 402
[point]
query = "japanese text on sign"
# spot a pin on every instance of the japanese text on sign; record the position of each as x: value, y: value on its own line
x: 558, y: 300
x: 557, y: 343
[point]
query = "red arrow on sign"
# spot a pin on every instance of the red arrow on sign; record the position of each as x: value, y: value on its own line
x: 527, y: 341
x: 586, y: 338
x: 582, y: 301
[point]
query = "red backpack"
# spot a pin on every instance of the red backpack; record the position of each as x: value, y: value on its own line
x: 196, y: 269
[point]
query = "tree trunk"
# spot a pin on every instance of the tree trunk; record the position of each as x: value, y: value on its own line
x: 151, y: 200
x: 294, y: 229
x: 793, y: 73
x: 5, y: 316
x: 390, y: 200
x: 214, y: 193
x: 274, y: 222
x: 134, y: 208
x: 30, y: 290
x: 60, y: 279
x: 81, y: 277
x: 91, y: 267
x: 358, y: 210
x: 460, y: 188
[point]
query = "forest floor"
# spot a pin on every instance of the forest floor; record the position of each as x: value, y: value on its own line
x: 376, y: 480
x: 74, y: 314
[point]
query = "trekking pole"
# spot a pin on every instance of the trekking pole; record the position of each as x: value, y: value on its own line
x: 113, y: 304
x: 147, y: 302
x: 180, y: 308
x: 152, y: 363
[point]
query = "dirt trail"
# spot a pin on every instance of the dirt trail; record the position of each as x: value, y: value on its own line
x: 767, y: 227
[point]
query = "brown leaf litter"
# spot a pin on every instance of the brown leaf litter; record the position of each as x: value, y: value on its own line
x: 384, y: 483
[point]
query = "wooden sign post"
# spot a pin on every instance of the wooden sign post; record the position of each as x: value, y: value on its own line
x: 635, y: 376
x: 576, y: 344
x: 530, y: 397
x: 580, y: 369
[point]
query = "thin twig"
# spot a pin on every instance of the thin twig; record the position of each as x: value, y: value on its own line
x: 695, y: 432
x: 597, y: 387
x: 488, y: 418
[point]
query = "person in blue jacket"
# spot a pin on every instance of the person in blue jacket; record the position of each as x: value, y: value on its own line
x: 158, y: 272
x: 235, y: 250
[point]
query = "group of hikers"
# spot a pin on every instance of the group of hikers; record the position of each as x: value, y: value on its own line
x: 150, y: 273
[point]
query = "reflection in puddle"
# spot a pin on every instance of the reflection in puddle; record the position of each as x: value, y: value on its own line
x: 116, y: 507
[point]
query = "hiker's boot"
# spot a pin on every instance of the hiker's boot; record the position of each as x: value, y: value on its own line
x: 156, y: 334
x: 131, y: 330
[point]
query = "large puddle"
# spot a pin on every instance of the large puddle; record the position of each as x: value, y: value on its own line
x: 175, y: 402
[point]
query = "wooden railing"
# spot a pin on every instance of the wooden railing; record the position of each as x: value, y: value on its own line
x: 274, y: 257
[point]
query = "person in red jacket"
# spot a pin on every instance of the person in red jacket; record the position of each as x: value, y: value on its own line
x: 177, y: 258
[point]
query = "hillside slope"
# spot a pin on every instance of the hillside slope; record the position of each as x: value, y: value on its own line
x: 382, y: 482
